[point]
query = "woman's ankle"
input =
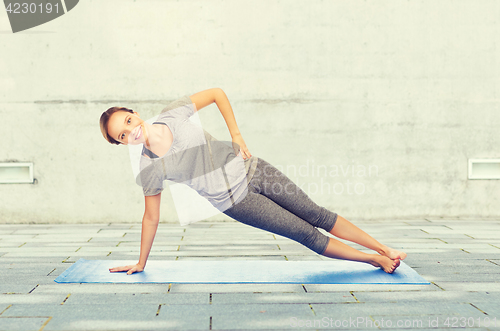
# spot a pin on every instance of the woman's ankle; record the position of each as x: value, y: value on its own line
x: 382, y: 249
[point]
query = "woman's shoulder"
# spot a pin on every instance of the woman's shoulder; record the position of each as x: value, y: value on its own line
x: 179, y: 109
x: 180, y: 102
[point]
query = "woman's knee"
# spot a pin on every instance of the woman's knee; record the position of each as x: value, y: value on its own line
x: 326, y: 219
x: 315, y: 241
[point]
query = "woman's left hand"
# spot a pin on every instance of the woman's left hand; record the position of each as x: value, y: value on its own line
x: 245, y: 153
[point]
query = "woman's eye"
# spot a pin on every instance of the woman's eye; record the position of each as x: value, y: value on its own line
x: 123, y: 136
x: 128, y: 122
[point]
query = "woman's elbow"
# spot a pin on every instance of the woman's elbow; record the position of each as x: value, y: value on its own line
x: 150, y: 220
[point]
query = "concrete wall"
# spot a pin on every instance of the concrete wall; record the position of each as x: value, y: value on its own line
x: 404, y: 92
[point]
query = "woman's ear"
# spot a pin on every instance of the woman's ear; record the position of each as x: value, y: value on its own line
x: 137, y: 114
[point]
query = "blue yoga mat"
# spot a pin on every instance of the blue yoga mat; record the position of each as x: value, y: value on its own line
x: 239, y: 271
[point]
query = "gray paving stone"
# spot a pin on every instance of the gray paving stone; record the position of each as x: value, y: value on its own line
x: 122, y: 225
x: 95, y: 288
x: 16, y: 238
x: 163, y: 231
x: 490, y: 307
x: 458, y: 263
x: 228, y: 258
x: 31, y: 259
x: 62, y: 238
x: 186, y: 317
x: 283, y: 298
x: 56, y: 231
x: 469, y: 245
x: 89, y: 317
x: 436, y: 229
x: 215, y: 235
x: 36, y: 268
x: 494, y: 261
x: 447, y: 237
x: 393, y: 309
x: 227, y: 247
x: 290, y: 257
x: 214, y: 241
x: 136, y: 324
x: 103, y: 233
x: 474, y: 241
x: 367, y: 287
x: 45, y: 249
x: 110, y: 241
x: 106, y: 249
x: 103, y: 252
x: 469, y: 286
x: 460, y: 277
x: 226, y: 230
x: 463, y: 259
x: 22, y: 323
x: 10, y: 244
x: 439, y: 255
x: 103, y: 256
x: 139, y: 298
x: 230, y: 288
x: 24, y: 279
x: 113, y: 312
x: 255, y: 252
x: 68, y: 245
x: 452, y: 270
x: 122, y: 256
x: 417, y: 296
x: 6, y: 288
x: 35, y: 254
x: 415, y: 322
x: 369, y: 322
x: 3, y: 307
x: 490, y: 255
x: 258, y: 316
x: 30, y: 299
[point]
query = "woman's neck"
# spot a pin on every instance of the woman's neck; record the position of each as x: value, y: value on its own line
x: 159, y: 138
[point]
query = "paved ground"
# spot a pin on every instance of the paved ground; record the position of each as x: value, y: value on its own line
x: 460, y: 258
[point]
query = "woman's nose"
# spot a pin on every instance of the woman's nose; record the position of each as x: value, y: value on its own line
x: 130, y: 137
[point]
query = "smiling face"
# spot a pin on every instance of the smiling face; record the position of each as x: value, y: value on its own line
x: 127, y: 128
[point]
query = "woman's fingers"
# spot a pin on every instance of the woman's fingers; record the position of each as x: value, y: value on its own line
x: 123, y: 268
x: 243, y: 147
x: 116, y: 269
x: 247, y: 153
x: 136, y: 268
x: 129, y: 268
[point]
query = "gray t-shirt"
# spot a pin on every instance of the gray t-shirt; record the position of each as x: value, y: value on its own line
x: 215, y: 169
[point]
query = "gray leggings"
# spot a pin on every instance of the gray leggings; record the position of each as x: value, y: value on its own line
x: 276, y: 204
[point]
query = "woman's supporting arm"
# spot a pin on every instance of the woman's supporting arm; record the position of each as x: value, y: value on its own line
x: 149, y: 226
x: 148, y: 233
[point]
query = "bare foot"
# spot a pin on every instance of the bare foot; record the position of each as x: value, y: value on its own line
x: 385, y: 263
x: 392, y: 253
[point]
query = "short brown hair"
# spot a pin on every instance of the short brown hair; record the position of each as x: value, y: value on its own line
x: 105, y: 119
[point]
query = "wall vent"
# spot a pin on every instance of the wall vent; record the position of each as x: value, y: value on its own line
x: 484, y: 168
x: 16, y: 172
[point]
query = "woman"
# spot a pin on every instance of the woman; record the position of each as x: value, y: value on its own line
x: 240, y: 185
